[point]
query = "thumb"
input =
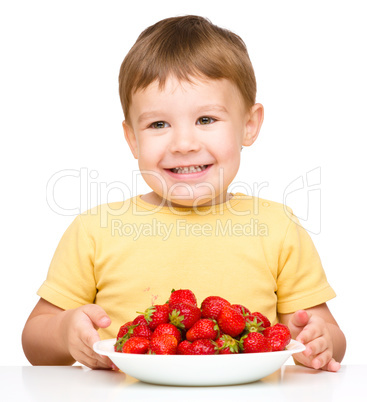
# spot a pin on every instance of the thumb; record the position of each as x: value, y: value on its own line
x: 97, y: 315
x: 300, y: 318
x: 298, y: 321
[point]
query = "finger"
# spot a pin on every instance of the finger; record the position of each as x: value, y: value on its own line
x: 90, y: 358
x: 93, y: 361
x: 114, y: 367
x: 309, y: 333
x: 87, y: 349
x: 89, y: 337
x: 316, y: 347
x: 312, y: 361
x: 297, y: 322
x: 104, y: 361
x: 332, y: 365
x: 322, y: 359
x: 301, y: 358
x: 300, y: 318
x: 97, y: 315
x: 85, y: 345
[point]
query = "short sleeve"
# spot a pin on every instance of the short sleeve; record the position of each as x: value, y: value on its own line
x: 70, y: 281
x: 301, y: 280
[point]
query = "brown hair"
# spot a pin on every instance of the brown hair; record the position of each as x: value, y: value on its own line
x: 188, y: 46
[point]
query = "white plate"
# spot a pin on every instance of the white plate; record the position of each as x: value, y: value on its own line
x: 198, y: 370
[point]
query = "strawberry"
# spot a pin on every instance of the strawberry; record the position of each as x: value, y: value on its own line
x: 184, y: 348
x: 140, y: 319
x: 212, y: 306
x: 136, y: 345
x: 231, y: 322
x: 164, y: 344
x: 169, y: 329
x: 184, y: 315
x: 261, y: 317
x: 123, y: 335
x: 156, y: 314
x: 123, y: 330
x: 253, y: 324
x: 278, y: 335
x: 227, y: 345
x: 182, y: 296
x: 204, y: 347
x: 132, y: 331
x: 242, y: 309
x: 203, y: 329
x: 254, y: 342
x: 141, y: 330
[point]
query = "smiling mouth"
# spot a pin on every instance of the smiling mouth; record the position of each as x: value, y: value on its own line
x: 189, y: 169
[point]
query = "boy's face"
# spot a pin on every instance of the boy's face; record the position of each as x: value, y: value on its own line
x: 198, y: 126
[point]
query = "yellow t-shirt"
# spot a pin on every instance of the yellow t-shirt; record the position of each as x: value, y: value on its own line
x: 126, y: 256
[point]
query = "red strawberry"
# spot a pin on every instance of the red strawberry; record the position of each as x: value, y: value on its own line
x: 136, y: 345
x: 227, y: 345
x: 132, y: 331
x: 182, y: 296
x: 184, y: 315
x: 261, y: 317
x: 140, y: 319
x: 184, y: 348
x: 204, y: 347
x: 123, y: 330
x: 169, y: 329
x: 156, y: 314
x: 212, y: 306
x: 141, y: 330
x: 231, y: 322
x: 254, y: 342
x: 278, y: 335
x: 123, y: 335
x: 253, y: 324
x: 203, y: 329
x: 163, y: 345
x: 242, y: 309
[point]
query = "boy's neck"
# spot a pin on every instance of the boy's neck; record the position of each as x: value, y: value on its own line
x: 155, y: 199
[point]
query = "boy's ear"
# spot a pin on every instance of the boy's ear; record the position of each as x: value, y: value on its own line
x: 130, y: 138
x: 253, y: 124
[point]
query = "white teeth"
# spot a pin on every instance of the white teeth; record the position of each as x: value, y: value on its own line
x: 189, y: 169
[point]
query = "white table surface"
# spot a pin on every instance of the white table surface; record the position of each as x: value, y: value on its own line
x: 78, y: 383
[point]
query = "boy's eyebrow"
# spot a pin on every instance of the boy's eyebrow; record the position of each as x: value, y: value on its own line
x: 213, y: 107
x: 201, y: 109
x: 147, y: 115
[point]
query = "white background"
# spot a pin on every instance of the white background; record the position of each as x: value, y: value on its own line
x: 60, y: 111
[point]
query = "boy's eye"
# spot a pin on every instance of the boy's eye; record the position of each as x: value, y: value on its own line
x: 159, y: 124
x: 205, y: 120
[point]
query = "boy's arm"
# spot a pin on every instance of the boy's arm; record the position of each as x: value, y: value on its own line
x: 317, y: 329
x: 53, y: 336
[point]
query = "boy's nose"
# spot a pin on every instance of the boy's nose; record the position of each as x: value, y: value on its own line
x: 184, y: 141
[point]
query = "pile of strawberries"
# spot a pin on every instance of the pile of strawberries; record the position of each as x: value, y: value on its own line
x: 217, y: 327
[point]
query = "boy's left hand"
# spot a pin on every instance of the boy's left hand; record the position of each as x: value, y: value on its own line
x: 313, y: 332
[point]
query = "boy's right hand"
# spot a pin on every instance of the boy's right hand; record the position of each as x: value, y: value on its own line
x: 79, y: 327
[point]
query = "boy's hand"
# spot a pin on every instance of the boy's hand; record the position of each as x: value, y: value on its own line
x: 80, y: 332
x: 313, y: 332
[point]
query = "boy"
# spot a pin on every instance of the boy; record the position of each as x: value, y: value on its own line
x: 188, y: 93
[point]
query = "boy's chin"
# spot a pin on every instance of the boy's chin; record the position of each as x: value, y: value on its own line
x: 188, y: 203
x: 200, y: 201
x: 183, y: 201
